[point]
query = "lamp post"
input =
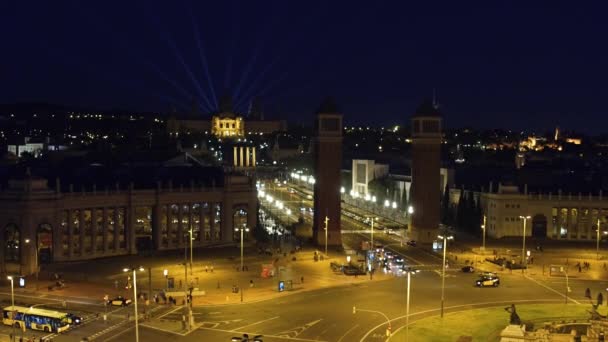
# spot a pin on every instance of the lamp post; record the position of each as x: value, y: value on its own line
x: 326, y: 221
x: 166, y: 274
x: 373, y: 218
x: 483, y: 227
x: 523, y: 247
x: 409, y: 272
x: 134, y: 270
x: 191, y: 232
x: 241, y: 230
x: 445, y: 239
x: 597, y: 243
x: 12, y: 306
x: 27, y: 241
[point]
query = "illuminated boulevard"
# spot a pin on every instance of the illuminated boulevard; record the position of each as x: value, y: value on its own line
x: 319, y: 309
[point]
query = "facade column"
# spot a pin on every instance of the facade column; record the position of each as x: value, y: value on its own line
x: 227, y: 225
x: 104, y: 223
x: 130, y: 229
x: 116, y: 230
x: 157, y: 237
x: 247, y: 156
x: 241, y: 157
x: 70, y: 234
x: 201, y: 219
x: 93, y: 231
x: 253, y: 156
x: 169, y: 226
x: 212, y: 221
x: 81, y: 225
x: 57, y: 239
x: 252, y: 215
x: 180, y: 226
x: 235, y: 156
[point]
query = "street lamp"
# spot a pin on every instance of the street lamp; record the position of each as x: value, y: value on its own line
x: 597, y: 246
x: 241, y: 230
x: 27, y: 241
x: 409, y: 272
x: 373, y: 218
x: 166, y: 274
x: 326, y: 221
x: 483, y: 227
x: 445, y: 239
x: 13, y: 306
x: 134, y: 270
x: 191, y: 238
x: 523, y: 248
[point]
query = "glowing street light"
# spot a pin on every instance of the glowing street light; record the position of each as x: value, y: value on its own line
x: 523, y: 247
x: 409, y: 271
x: 445, y: 239
x: 134, y: 270
x: 387, y: 203
x: 342, y: 190
x: 394, y: 205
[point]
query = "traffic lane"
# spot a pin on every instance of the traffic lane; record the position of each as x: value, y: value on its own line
x: 577, y: 287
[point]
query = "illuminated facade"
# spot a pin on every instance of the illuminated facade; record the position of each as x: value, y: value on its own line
x: 54, y: 225
x: 556, y: 216
x: 227, y: 125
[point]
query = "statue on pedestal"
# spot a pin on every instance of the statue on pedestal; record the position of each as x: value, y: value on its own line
x: 515, y: 320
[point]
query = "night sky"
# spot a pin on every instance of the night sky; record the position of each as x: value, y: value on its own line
x: 529, y: 65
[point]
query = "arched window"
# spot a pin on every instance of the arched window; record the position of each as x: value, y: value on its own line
x: 12, y: 235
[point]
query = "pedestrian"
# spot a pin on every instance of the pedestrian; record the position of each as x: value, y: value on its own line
x: 251, y: 283
x: 604, y: 266
x: 579, y: 269
x: 206, y: 269
x: 588, y: 293
x: 211, y: 268
x: 180, y: 283
x: 302, y: 279
x: 600, y: 299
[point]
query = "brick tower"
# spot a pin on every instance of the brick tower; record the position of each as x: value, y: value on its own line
x: 327, y: 142
x: 426, y: 155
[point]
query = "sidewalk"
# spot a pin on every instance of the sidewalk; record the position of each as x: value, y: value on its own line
x: 217, y: 285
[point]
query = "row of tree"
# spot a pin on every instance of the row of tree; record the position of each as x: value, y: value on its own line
x: 466, y: 216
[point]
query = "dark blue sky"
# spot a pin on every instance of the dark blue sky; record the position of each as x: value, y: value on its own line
x: 513, y: 64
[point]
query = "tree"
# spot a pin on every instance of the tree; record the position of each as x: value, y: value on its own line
x: 445, y: 206
x: 461, y: 211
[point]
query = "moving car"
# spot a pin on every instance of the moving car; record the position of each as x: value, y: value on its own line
x: 119, y: 301
x: 74, y: 319
x: 468, y: 269
x: 411, y: 243
x: 485, y: 281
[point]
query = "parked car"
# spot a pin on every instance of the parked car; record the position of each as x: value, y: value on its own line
x: 468, y: 269
x: 411, y: 243
x: 486, y: 281
x: 119, y: 301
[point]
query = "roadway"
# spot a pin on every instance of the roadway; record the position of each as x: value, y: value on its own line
x: 326, y: 314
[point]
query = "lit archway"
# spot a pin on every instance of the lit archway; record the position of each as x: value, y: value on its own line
x: 539, y: 226
x: 12, y: 235
x: 44, y: 238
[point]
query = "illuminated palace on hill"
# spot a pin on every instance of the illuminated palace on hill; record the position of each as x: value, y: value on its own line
x: 225, y: 122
